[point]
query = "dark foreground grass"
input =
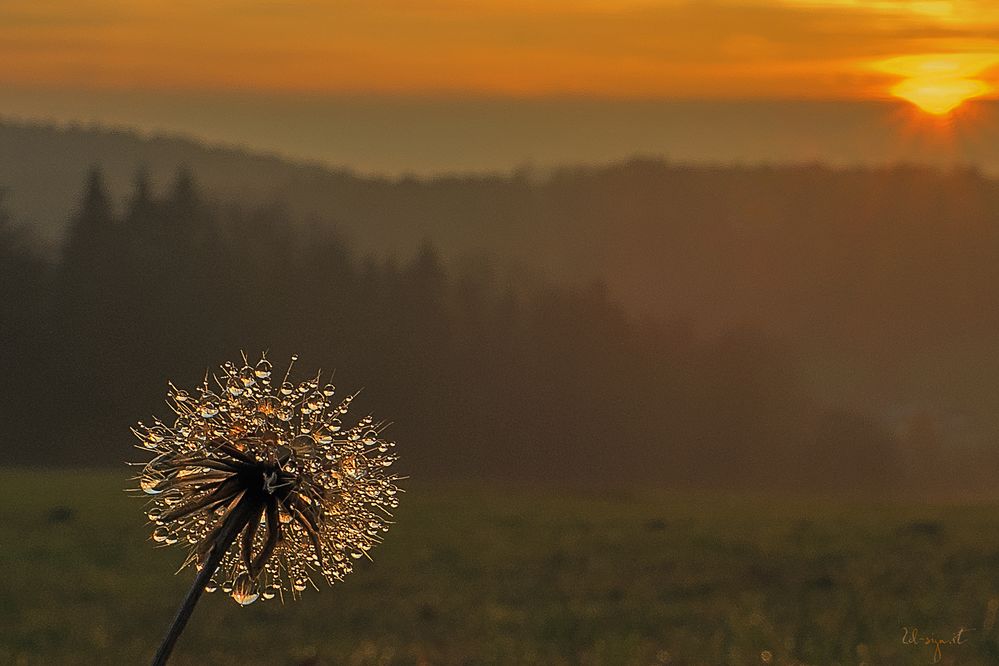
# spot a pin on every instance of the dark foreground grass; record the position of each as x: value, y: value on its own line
x: 486, y: 575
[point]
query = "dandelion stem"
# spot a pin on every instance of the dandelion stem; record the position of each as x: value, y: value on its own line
x: 232, y: 527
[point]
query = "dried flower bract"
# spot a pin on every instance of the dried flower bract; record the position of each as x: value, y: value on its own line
x: 272, y: 463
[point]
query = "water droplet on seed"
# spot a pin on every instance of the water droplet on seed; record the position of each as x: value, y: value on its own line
x: 302, y: 445
x: 247, y: 376
x: 263, y: 369
x: 151, y: 486
x: 267, y: 406
x: 354, y: 466
x: 243, y: 590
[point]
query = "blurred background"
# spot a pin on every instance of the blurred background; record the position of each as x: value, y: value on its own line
x: 685, y: 316
x: 676, y: 323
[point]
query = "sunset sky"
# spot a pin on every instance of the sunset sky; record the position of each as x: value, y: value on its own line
x: 75, y: 59
x: 633, y: 48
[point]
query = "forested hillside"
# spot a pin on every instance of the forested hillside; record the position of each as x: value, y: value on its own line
x: 483, y: 374
x: 879, y: 286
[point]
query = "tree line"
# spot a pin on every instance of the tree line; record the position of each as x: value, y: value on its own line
x: 485, y: 372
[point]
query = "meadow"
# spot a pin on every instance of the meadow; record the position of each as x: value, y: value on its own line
x: 484, y: 574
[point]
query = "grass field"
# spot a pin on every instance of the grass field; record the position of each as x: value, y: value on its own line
x: 486, y: 575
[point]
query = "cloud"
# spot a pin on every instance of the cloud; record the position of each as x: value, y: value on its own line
x: 644, y: 48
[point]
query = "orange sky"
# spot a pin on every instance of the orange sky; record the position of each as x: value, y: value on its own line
x: 616, y: 48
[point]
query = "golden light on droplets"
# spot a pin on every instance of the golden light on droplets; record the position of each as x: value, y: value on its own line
x: 939, y: 83
x: 316, y: 491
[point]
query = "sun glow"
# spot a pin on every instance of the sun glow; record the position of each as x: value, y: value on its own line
x: 940, y: 97
x: 939, y: 83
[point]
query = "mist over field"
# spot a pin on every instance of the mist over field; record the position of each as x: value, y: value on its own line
x: 429, y: 135
x: 680, y: 323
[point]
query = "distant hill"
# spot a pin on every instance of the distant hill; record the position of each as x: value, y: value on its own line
x: 886, y: 280
x: 42, y: 168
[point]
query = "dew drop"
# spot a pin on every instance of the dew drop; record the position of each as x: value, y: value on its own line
x: 263, y: 369
x: 247, y: 376
x: 267, y: 406
x: 161, y: 534
x: 151, y: 486
x: 243, y: 591
x: 354, y: 466
x: 302, y: 445
x: 299, y: 585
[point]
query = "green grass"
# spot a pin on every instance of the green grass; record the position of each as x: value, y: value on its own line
x: 487, y: 575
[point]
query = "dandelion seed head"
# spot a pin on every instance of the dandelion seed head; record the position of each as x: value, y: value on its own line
x: 314, y: 493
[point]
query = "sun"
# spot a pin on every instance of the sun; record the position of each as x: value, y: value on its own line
x: 939, y: 83
x: 940, y: 96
